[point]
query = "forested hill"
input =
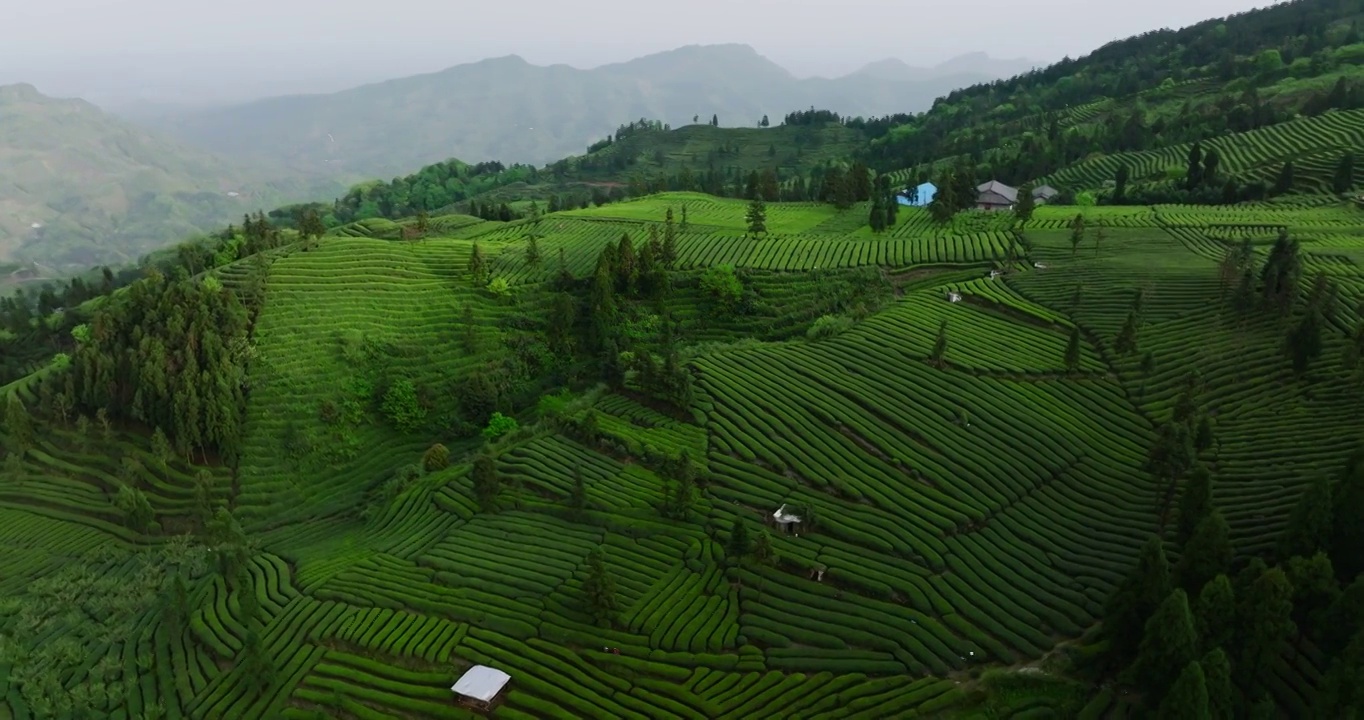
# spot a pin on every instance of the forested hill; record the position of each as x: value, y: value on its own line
x: 1160, y: 88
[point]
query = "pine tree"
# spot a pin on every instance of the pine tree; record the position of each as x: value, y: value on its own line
x: 1195, y: 504
x: 161, y: 449
x: 756, y: 217
x: 599, y: 589
x: 1136, y: 598
x: 738, y: 544
x: 487, y: 483
x: 1284, y: 183
x: 1120, y: 185
x: 1168, y: 643
x: 1215, y: 613
x: 1126, y: 341
x: 1188, y: 698
x: 1211, y: 163
x: 1303, y: 344
x: 1072, y: 358
x: 763, y: 550
x: 478, y: 271
x: 1265, y: 619
x: 877, y: 217
x: 1207, y: 554
x: 939, y: 354
x: 1309, y: 525
x: 137, y: 511
x: 532, y: 251
x: 1194, y: 173
x: 1344, y: 178
x: 1025, y: 206
x: 577, y: 496
x: 1217, y: 675
x: 1077, y: 233
x: 1347, y: 532
x: 18, y: 425
x: 669, y: 255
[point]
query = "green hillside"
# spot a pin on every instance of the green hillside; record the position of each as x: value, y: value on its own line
x: 1097, y: 458
x: 82, y: 188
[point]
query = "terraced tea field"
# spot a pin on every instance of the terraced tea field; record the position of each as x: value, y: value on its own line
x: 961, y: 512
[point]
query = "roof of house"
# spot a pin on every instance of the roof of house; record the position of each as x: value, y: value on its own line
x: 481, y: 682
x: 782, y: 516
x: 998, y: 188
x: 1045, y: 191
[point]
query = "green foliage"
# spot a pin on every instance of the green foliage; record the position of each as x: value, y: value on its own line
x: 1309, y: 526
x: 1136, y: 598
x: 402, y: 406
x: 1188, y: 697
x: 133, y: 504
x: 499, y: 425
x: 436, y: 457
x: 599, y: 589
x: 828, y: 326
x: 1206, y: 555
x: 723, y: 286
x: 1169, y: 643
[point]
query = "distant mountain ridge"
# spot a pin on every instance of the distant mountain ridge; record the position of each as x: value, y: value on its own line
x: 79, y: 186
x: 510, y: 110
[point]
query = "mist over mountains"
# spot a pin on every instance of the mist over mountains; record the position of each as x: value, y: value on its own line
x: 84, y: 185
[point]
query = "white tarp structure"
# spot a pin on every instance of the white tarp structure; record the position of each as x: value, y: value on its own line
x: 481, y: 683
x: 783, y: 517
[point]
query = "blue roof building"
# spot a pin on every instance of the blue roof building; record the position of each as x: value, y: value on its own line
x: 918, y: 197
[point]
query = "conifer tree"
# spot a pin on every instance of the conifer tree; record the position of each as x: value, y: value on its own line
x: 1025, y: 206
x: 1284, y: 183
x: 1136, y: 598
x: 1188, y: 698
x: 1217, y: 675
x: 1169, y: 643
x: 532, y: 251
x: 756, y: 217
x: 763, y: 550
x: 1126, y: 341
x: 577, y: 496
x: 1264, y: 615
x: 1206, y: 555
x: 478, y: 271
x: 1215, y: 613
x: 1077, y: 233
x: 1120, y: 185
x: 738, y: 544
x: 1072, y: 358
x: 939, y: 353
x: 1303, y: 344
x: 18, y: 425
x: 599, y: 589
x: 1309, y: 525
x: 487, y: 483
x: 1344, y: 178
x: 1195, y: 504
x: 669, y: 254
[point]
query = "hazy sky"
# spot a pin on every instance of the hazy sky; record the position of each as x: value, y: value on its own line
x: 267, y: 46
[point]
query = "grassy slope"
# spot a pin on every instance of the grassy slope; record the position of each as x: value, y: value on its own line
x: 970, y: 515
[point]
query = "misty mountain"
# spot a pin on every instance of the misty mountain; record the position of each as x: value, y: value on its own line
x: 972, y: 67
x: 510, y: 110
x: 79, y: 186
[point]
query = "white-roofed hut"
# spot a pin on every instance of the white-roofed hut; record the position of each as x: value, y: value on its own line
x: 480, y: 687
x: 785, y: 520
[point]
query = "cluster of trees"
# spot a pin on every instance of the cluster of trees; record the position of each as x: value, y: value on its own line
x: 885, y: 208
x: 1277, y: 287
x: 1200, y: 637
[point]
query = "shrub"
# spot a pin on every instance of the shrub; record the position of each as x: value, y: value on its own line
x: 499, y: 287
x: 723, y: 286
x: 400, y: 405
x: 436, y: 457
x: 828, y: 326
x: 499, y: 425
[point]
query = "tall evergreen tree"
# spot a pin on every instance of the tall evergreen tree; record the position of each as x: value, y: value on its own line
x: 1211, y: 162
x: 478, y: 270
x: 1206, y: 555
x: 1217, y: 675
x: 1344, y: 178
x: 1215, y: 613
x: 939, y: 354
x: 487, y: 481
x: 1194, y: 173
x: 1026, y: 204
x: 599, y: 589
x: 1168, y: 643
x: 669, y: 254
x: 1136, y: 598
x: 1195, y: 504
x: 1072, y: 356
x: 756, y: 217
x: 1304, y: 344
x: 1188, y: 698
x: 738, y: 544
x: 1077, y: 233
x: 1126, y: 341
x: 1309, y: 525
x: 1284, y: 183
x: 1120, y: 185
x: 1265, y: 618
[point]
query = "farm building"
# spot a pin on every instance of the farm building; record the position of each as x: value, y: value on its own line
x: 480, y: 687
x: 919, y: 196
x: 1043, y: 193
x: 995, y: 195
